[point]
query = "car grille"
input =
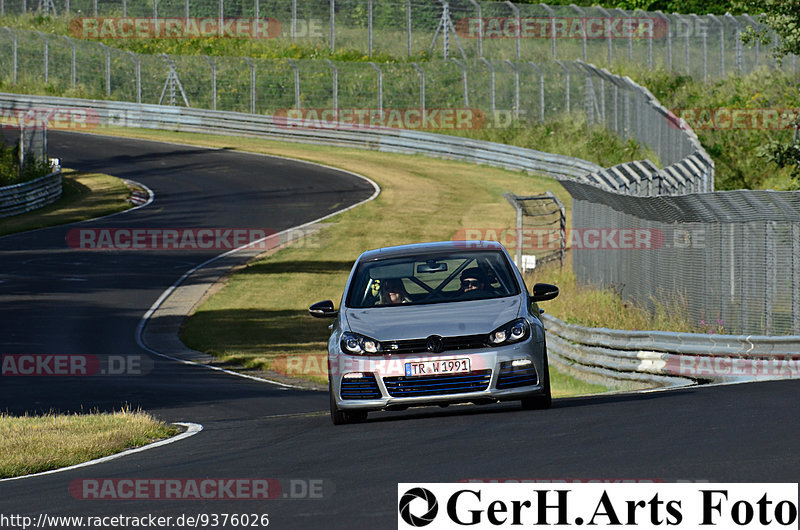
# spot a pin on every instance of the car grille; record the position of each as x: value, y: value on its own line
x: 360, y: 388
x: 437, y: 385
x: 514, y: 376
x: 462, y: 342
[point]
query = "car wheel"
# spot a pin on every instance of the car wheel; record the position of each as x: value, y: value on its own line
x: 341, y: 417
x: 543, y: 400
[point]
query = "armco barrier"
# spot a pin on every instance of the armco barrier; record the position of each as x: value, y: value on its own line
x: 388, y: 140
x: 643, y: 359
x: 27, y: 196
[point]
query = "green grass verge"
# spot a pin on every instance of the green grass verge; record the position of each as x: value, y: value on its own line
x: 85, y: 196
x: 32, y: 444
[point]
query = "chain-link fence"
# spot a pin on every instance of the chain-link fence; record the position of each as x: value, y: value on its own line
x: 438, y: 95
x: 701, y: 46
x: 729, y: 260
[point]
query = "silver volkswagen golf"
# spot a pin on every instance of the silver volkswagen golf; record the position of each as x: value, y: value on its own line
x: 435, y: 324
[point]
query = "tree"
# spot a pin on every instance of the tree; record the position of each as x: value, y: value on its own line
x: 782, y: 17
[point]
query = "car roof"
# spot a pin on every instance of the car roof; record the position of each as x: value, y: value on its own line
x: 436, y: 247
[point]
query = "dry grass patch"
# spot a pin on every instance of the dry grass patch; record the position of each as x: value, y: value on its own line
x: 31, y: 444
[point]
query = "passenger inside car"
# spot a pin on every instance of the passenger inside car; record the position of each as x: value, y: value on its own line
x: 393, y: 292
x: 474, y: 281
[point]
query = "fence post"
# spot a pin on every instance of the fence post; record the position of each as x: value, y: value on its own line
x: 108, y: 67
x: 649, y: 41
x: 771, y: 277
x: 552, y: 29
x: 705, y: 46
x: 213, y: 81
x: 515, y: 10
x: 380, y: 88
x: 335, y: 86
x: 491, y: 84
x: 155, y: 13
x: 296, y: 83
x: 477, y: 7
x: 14, y: 53
x: 408, y: 28
x: 541, y: 90
x: 221, y: 18
x: 138, y: 64
x: 516, y: 88
x: 252, y: 84
x: 421, y: 88
x: 46, y: 56
x: 94, y: 7
x: 737, y: 43
x: 73, y: 68
x: 582, y: 14
x: 721, y: 44
x: 608, y: 37
x: 758, y: 41
x: 463, y: 80
x: 369, y: 26
x: 333, y: 24
x: 566, y: 85
x: 294, y: 20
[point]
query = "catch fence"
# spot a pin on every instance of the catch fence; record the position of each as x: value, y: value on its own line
x: 704, y: 46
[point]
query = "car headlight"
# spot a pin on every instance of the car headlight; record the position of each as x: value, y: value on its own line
x: 515, y: 331
x: 356, y: 344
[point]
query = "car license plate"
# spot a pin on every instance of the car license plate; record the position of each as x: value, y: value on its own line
x: 443, y: 366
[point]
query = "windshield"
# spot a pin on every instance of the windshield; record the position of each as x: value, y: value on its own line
x: 426, y: 279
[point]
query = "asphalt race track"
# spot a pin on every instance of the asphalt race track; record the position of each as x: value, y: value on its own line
x: 58, y: 300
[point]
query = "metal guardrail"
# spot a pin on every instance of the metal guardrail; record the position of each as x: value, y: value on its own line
x: 641, y: 359
x: 380, y: 139
x: 31, y: 195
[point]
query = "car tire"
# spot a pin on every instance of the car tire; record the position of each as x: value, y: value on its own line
x: 341, y: 417
x: 544, y: 400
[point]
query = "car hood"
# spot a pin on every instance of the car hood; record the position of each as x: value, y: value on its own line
x: 420, y: 321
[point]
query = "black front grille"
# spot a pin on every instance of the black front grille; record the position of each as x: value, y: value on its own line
x: 462, y: 342
x: 514, y: 376
x: 437, y: 385
x: 360, y: 388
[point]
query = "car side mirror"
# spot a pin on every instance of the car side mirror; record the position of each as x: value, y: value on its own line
x: 323, y: 310
x: 544, y: 291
